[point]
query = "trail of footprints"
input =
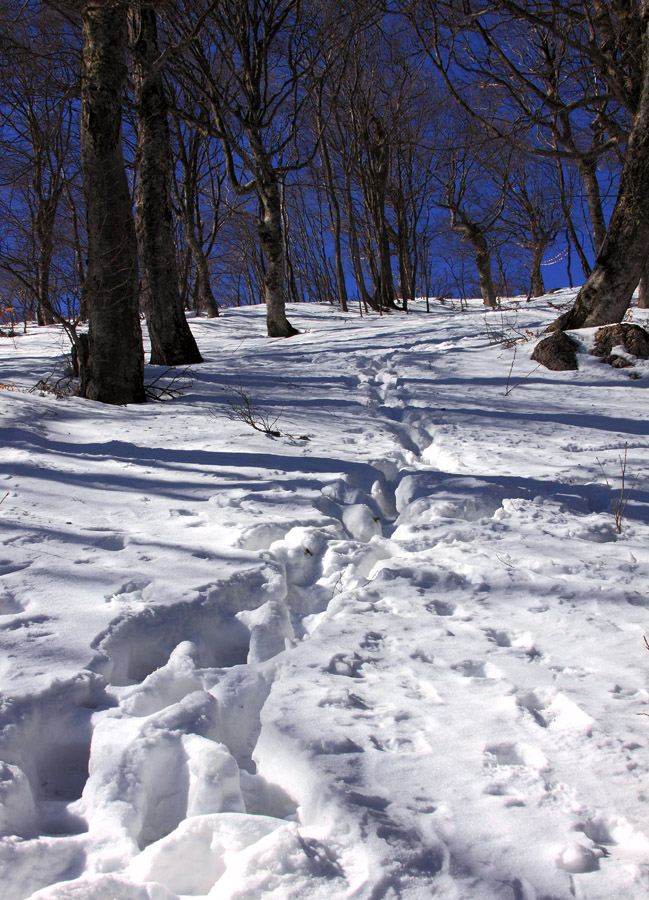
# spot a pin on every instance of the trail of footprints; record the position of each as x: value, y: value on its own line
x: 211, y: 706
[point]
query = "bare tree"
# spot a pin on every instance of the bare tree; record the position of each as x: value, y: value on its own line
x: 604, y: 79
x: 172, y: 342
x: 251, y: 68
x: 113, y: 369
x: 473, y: 176
x: 198, y: 181
x: 376, y: 163
x: 533, y: 215
x: 38, y: 146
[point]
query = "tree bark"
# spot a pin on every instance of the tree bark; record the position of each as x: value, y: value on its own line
x: 537, y: 285
x: 45, y: 230
x: 205, y: 295
x: 188, y: 210
x: 588, y: 172
x: 474, y: 235
x: 483, y: 263
x: 114, y: 369
x: 272, y: 246
x: 172, y: 342
x: 607, y: 293
x: 47, y: 208
x: 374, y: 177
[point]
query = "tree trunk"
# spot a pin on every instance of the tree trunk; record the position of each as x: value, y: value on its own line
x: 44, y: 312
x: 537, y: 285
x: 607, y: 293
x: 290, y: 280
x: 172, y: 342
x: 354, y: 249
x: 193, y: 237
x: 474, y: 234
x: 79, y: 257
x: 272, y: 246
x: 335, y: 216
x: 483, y: 263
x: 205, y: 295
x: 386, y: 281
x: 114, y: 369
x: 45, y: 221
x: 588, y: 171
x: 406, y: 268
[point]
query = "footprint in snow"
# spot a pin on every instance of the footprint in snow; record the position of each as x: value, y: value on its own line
x: 348, y: 664
x: 441, y: 608
x: 500, y: 638
x: 393, y: 744
x: 473, y: 668
x: 128, y: 592
x: 9, y: 604
x: 7, y: 566
x: 515, y: 754
x: 112, y: 542
x: 343, y: 699
x: 187, y: 517
x: 523, y: 643
x: 372, y: 641
x: 552, y: 709
x: 28, y: 622
x: 518, y: 773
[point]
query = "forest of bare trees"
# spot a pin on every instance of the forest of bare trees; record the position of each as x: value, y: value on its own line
x: 160, y: 157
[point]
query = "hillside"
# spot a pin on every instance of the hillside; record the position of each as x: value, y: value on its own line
x: 394, y: 650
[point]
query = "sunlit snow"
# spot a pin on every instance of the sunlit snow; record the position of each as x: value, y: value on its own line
x: 394, y: 653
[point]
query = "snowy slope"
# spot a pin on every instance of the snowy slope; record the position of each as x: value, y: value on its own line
x: 395, y: 652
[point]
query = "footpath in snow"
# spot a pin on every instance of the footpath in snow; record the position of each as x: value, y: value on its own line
x: 395, y: 652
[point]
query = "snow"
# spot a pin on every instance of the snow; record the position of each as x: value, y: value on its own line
x: 395, y: 652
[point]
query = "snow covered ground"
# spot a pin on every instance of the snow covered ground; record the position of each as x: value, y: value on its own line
x: 400, y: 659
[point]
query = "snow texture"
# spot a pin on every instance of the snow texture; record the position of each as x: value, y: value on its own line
x: 394, y: 653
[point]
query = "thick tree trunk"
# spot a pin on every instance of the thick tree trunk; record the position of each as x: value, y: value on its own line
x: 483, y: 263
x: 475, y: 236
x: 172, y: 342
x: 407, y: 265
x: 272, y: 246
x: 114, y: 369
x: 537, y: 285
x: 45, y: 220
x: 606, y: 295
x: 386, y: 281
x: 383, y: 282
x: 205, y: 295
